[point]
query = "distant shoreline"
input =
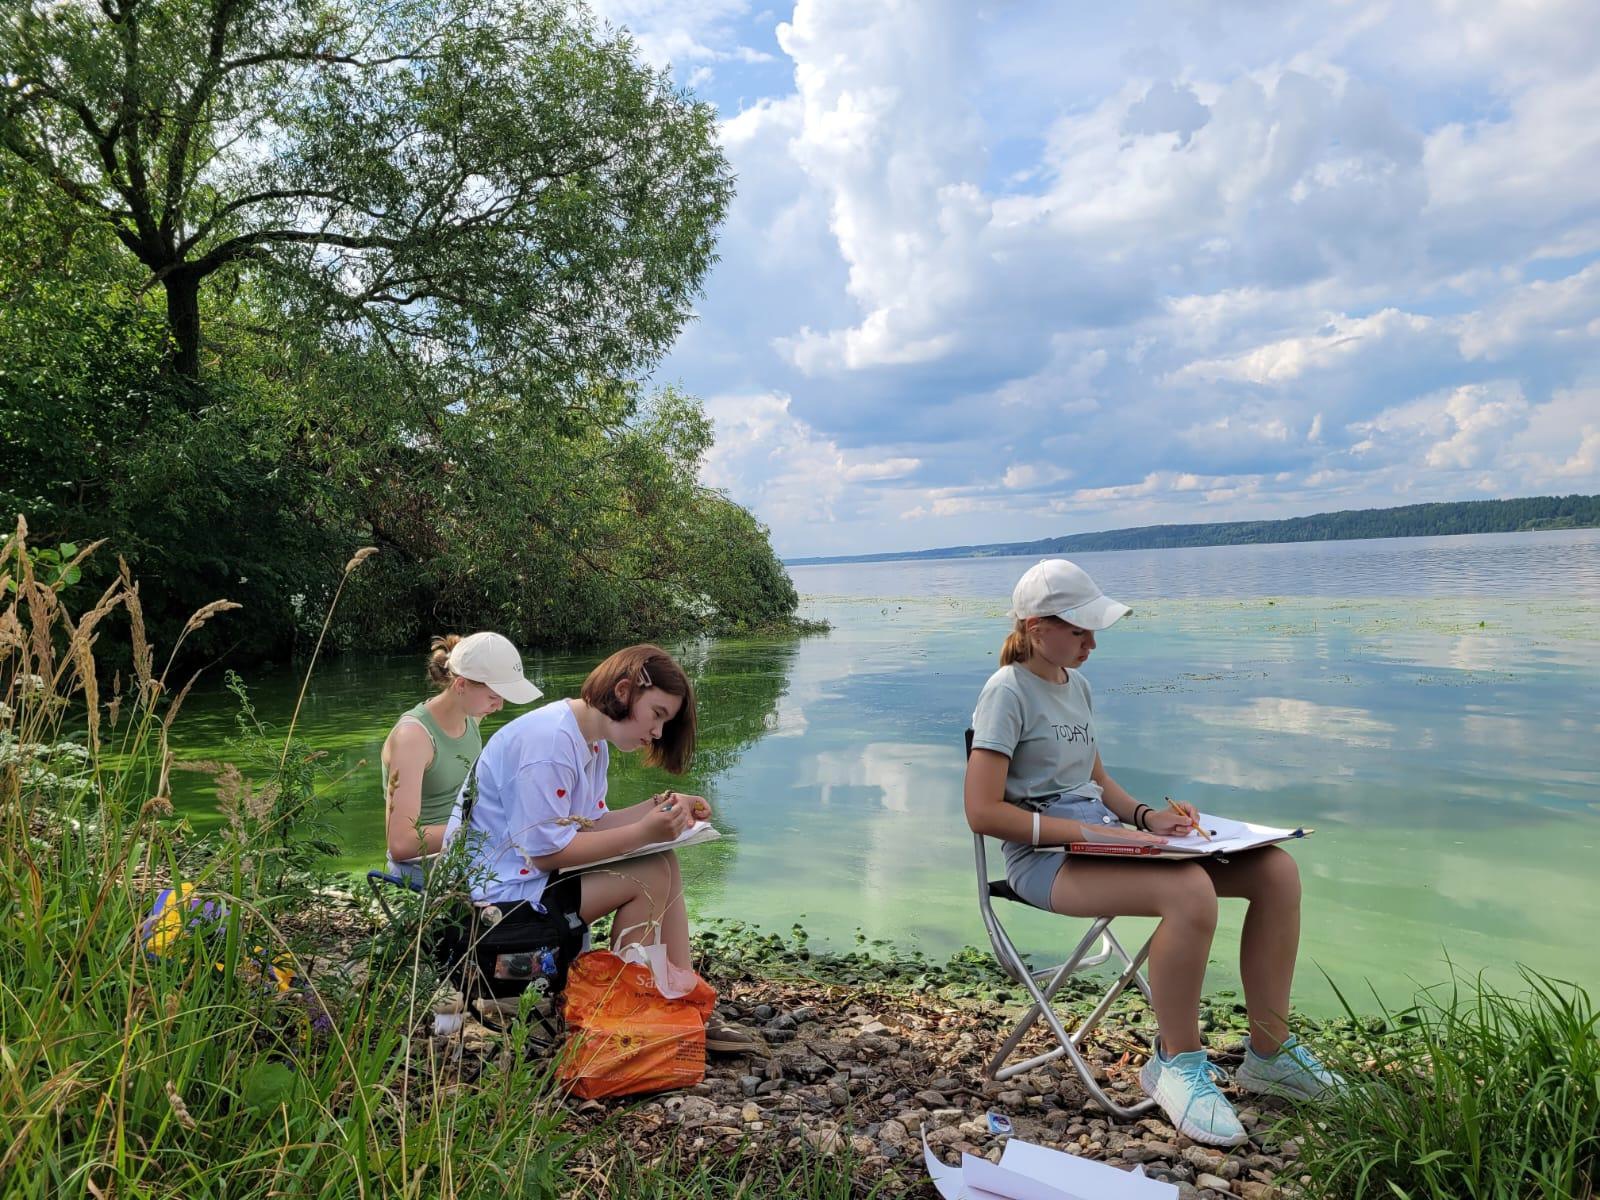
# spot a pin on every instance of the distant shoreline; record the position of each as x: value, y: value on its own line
x: 1528, y: 515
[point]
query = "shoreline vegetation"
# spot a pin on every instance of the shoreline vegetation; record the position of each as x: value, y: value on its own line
x: 241, y: 367
x: 1527, y: 515
x: 205, y: 1071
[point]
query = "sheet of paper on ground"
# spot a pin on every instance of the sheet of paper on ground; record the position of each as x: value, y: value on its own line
x: 1029, y: 1172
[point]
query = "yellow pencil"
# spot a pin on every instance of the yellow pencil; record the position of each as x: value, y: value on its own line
x: 1183, y: 812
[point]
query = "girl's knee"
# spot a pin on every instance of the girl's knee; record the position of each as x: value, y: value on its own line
x: 1278, y: 875
x: 1190, y: 896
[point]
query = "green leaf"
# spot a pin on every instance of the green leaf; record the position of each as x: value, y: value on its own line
x: 268, y: 1085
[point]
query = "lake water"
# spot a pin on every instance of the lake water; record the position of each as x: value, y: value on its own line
x: 1428, y: 705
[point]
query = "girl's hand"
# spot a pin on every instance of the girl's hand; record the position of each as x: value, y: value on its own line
x: 698, y: 807
x: 1173, y: 824
x: 667, y: 818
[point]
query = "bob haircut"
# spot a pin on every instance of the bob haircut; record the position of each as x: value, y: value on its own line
x: 642, y: 668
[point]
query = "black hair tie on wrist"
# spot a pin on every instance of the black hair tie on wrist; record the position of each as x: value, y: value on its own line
x: 1139, y: 814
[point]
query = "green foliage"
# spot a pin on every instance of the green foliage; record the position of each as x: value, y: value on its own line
x: 1471, y: 1093
x: 416, y: 324
x: 803, y: 1174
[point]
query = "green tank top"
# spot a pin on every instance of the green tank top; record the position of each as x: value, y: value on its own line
x: 452, y: 759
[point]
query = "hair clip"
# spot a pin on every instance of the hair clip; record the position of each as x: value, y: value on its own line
x: 644, y: 678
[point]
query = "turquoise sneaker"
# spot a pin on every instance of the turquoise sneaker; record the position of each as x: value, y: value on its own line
x: 1293, y: 1073
x: 1185, y: 1086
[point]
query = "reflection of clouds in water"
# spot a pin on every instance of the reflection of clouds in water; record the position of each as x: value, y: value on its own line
x: 815, y: 677
x: 1225, y: 770
x: 1494, y: 730
x: 1282, y: 714
x: 1459, y: 652
x: 903, y: 774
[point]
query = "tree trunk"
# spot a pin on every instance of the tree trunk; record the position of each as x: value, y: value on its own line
x: 183, y: 322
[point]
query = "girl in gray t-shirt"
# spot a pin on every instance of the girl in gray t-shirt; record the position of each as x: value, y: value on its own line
x: 1036, y: 780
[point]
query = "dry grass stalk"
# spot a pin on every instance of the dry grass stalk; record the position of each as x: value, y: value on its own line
x: 179, y: 1108
x: 143, y: 655
x: 206, y: 612
x: 114, y: 707
x: 359, y: 557
x: 80, y: 649
x: 161, y: 802
x: 41, y: 602
x: 17, y: 540
x: 356, y: 559
x: 177, y: 703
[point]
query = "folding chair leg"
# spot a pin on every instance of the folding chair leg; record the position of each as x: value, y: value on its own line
x: 1041, y: 1009
x: 1133, y: 975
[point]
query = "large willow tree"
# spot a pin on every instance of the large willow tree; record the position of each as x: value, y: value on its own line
x: 495, y: 179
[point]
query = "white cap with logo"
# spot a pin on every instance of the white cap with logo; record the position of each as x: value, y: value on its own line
x: 490, y: 659
x: 1055, y: 587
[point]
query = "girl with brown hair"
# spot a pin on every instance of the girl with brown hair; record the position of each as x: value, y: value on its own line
x: 538, y: 814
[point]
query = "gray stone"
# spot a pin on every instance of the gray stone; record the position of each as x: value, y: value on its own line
x: 1214, y: 1182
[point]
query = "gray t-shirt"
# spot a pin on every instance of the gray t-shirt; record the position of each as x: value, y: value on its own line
x: 1047, y: 729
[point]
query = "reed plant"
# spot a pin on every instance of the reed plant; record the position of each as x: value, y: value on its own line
x: 1472, y: 1093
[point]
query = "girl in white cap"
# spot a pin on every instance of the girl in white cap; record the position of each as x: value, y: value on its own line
x: 1035, y: 779
x: 432, y: 746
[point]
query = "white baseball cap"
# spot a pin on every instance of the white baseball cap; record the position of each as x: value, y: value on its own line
x: 1054, y: 587
x: 492, y: 660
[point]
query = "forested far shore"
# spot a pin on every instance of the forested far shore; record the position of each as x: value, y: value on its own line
x: 1524, y: 515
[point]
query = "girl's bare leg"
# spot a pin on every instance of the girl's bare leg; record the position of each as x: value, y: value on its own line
x: 1270, y: 880
x: 1182, y: 895
x: 647, y: 896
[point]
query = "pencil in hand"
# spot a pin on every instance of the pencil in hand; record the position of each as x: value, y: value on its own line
x: 1194, y: 820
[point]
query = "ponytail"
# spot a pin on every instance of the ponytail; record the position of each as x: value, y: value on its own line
x: 439, y: 672
x: 1018, y: 648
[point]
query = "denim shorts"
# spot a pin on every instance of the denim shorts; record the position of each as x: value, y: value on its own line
x: 1031, y: 872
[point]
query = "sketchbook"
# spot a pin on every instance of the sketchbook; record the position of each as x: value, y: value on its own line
x: 699, y: 832
x: 1227, y: 837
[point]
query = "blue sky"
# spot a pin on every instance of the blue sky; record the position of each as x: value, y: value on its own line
x: 999, y: 271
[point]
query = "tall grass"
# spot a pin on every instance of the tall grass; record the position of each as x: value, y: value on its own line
x: 1471, y: 1094
x: 192, y: 1074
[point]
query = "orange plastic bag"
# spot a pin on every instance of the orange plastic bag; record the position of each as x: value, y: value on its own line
x: 625, y: 1036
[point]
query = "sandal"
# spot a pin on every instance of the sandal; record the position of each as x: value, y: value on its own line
x: 730, y: 1039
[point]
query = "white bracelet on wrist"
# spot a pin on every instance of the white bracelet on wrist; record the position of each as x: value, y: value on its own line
x: 1035, y: 829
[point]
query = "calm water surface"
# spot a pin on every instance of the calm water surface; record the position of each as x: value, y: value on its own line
x: 1428, y: 705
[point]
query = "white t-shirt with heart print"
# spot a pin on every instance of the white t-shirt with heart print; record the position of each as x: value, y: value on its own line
x: 537, y: 778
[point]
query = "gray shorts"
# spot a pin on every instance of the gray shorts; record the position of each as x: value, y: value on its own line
x: 1031, y: 872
